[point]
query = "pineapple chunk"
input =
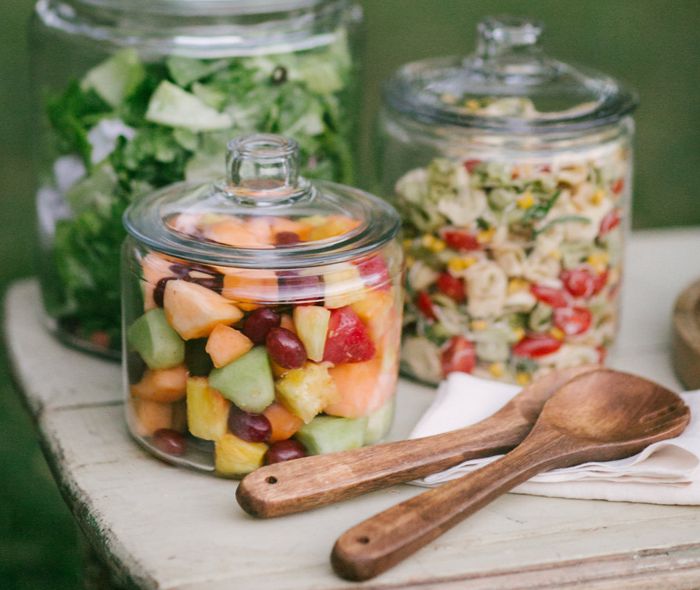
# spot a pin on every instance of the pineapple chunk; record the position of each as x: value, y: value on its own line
x: 307, y: 391
x: 343, y: 286
x: 207, y: 410
x: 234, y: 457
x: 311, y: 324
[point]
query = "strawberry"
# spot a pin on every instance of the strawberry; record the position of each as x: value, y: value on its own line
x: 375, y: 272
x: 348, y: 340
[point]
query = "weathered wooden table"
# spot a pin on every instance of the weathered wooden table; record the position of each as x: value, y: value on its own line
x: 159, y: 527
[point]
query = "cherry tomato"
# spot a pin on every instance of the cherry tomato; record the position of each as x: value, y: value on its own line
x: 618, y: 186
x: 582, y: 282
x: 572, y: 320
x: 471, y: 164
x: 460, y: 239
x: 452, y: 287
x: 536, y: 345
x: 424, y: 303
x: 459, y: 356
x: 548, y: 295
x: 609, y: 222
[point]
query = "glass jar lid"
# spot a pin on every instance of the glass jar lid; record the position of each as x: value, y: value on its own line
x: 224, y: 7
x: 263, y: 214
x: 510, y: 85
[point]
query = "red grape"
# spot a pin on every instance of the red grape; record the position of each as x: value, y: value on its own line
x: 169, y: 441
x: 284, y: 450
x: 259, y: 323
x: 250, y: 427
x: 285, y: 348
x: 287, y: 238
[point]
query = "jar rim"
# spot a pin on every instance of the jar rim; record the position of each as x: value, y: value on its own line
x: 218, y: 7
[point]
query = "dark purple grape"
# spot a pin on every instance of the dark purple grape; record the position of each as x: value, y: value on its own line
x: 213, y: 283
x: 285, y: 348
x: 159, y: 291
x: 198, y: 361
x: 179, y: 270
x: 284, y: 450
x: 287, y: 238
x: 259, y: 323
x: 170, y: 442
x: 250, y: 427
x: 299, y: 288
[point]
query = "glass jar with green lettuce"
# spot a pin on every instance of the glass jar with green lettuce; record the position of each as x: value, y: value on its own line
x: 132, y: 96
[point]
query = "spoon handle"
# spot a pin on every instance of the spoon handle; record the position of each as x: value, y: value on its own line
x: 387, y: 538
x: 295, y: 486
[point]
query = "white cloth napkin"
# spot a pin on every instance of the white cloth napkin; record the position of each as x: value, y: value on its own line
x: 666, y: 472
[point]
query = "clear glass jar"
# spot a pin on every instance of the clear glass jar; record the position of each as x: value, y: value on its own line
x: 133, y: 95
x: 262, y: 315
x: 513, y: 175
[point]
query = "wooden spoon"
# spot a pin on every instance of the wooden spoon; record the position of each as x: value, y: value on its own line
x: 599, y: 416
x: 285, y: 488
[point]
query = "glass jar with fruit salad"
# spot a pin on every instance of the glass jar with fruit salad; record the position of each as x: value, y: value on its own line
x: 512, y: 172
x: 261, y: 315
x: 133, y: 95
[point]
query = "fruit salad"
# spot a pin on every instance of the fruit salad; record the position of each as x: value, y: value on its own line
x: 232, y: 368
x: 514, y: 267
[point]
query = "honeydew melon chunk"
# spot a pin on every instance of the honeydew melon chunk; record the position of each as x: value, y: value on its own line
x: 172, y: 106
x: 194, y: 311
x: 379, y: 423
x: 115, y: 78
x: 155, y: 340
x: 247, y: 381
x: 328, y: 434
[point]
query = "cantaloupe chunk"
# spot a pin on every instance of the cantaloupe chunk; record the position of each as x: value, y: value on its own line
x: 154, y: 267
x: 240, y: 234
x: 287, y: 323
x: 149, y: 416
x: 207, y: 410
x: 362, y: 388
x: 163, y: 385
x: 194, y: 311
x: 226, y: 344
x: 376, y: 310
x: 284, y: 224
x: 251, y: 286
x: 235, y: 457
x: 332, y: 226
x: 284, y: 423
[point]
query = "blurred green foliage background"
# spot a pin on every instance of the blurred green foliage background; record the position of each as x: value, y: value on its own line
x: 654, y: 45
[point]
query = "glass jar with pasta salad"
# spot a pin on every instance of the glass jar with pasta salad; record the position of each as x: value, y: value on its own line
x: 133, y: 95
x: 261, y: 313
x: 512, y: 172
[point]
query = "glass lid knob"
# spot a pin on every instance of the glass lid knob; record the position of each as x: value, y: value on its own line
x: 507, y: 34
x: 263, y: 169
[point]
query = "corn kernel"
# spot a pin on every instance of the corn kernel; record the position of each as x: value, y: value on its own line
x: 515, y: 285
x: 597, y: 197
x: 472, y: 105
x: 410, y: 261
x: 557, y: 333
x: 598, y: 261
x: 478, y: 325
x: 555, y: 255
x: 407, y: 244
x: 427, y: 240
x: 526, y: 200
x: 455, y: 265
x: 518, y: 334
x: 522, y: 379
x: 497, y: 370
x: 486, y: 235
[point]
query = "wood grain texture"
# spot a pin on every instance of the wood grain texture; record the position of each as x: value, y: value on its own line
x: 686, y: 336
x: 599, y: 416
x: 286, y: 488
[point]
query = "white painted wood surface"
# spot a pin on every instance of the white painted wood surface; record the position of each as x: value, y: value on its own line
x: 165, y: 528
